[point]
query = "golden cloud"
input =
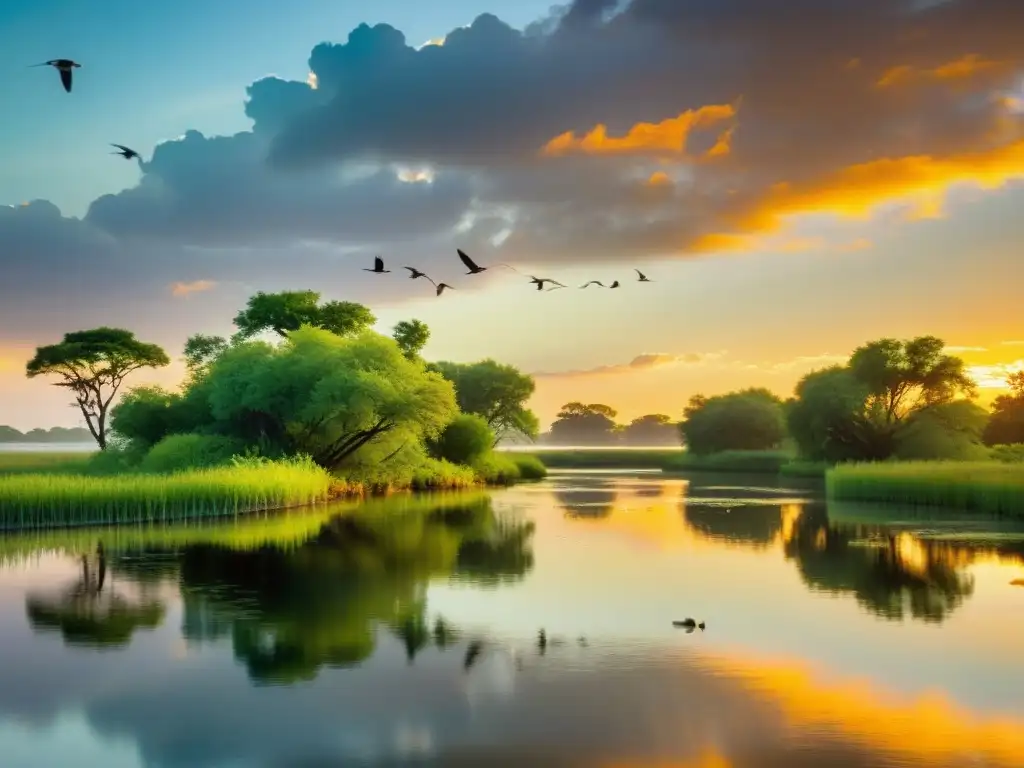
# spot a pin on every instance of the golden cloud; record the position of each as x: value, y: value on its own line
x: 857, y: 191
x: 994, y: 376
x: 196, y: 286
x: 667, y: 137
x: 959, y: 69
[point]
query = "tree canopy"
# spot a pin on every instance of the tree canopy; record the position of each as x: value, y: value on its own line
x: 652, y: 429
x: 858, y: 411
x: 412, y: 336
x: 584, y: 424
x: 316, y: 393
x: 496, y: 392
x: 1006, y: 425
x: 748, y: 420
x: 289, y: 310
x: 93, y: 365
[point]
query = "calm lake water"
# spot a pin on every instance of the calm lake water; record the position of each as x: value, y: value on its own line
x: 342, y: 637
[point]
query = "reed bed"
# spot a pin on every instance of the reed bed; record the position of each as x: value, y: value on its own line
x: 986, y: 487
x: 610, y: 458
x: 33, y: 501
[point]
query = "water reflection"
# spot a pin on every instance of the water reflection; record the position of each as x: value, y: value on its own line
x: 319, y: 640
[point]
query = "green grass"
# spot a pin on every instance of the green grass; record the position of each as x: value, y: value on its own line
x: 59, y: 500
x: 504, y: 468
x: 1008, y: 453
x: 802, y: 468
x: 672, y: 460
x: 612, y: 458
x: 22, y: 462
x: 986, y: 487
x: 754, y: 462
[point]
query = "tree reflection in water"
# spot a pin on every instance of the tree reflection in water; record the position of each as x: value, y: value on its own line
x: 90, y: 612
x: 289, y: 611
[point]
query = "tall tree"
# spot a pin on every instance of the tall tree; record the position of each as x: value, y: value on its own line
x: 1006, y: 424
x: 494, y: 391
x: 290, y: 310
x: 92, y: 365
x: 652, y: 429
x: 412, y: 336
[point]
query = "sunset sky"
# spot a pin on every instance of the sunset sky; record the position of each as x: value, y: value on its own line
x: 796, y: 178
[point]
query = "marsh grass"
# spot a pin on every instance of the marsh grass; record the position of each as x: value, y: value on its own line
x: 21, y: 462
x: 987, y: 487
x: 753, y: 462
x: 612, y: 458
x: 29, y: 501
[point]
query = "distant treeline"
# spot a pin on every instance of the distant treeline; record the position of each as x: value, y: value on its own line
x: 580, y: 424
x: 54, y: 435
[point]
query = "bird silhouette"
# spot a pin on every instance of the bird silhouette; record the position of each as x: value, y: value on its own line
x: 414, y: 273
x: 641, y: 277
x: 472, y: 266
x: 64, y: 66
x: 378, y: 266
x: 688, y: 624
x: 441, y: 287
x: 542, y: 641
x: 614, y: 285
x: 539, y: 282
x: 125, y: 152
x: 593, y: 282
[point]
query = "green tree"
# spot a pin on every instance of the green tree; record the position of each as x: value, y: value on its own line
x: 949, y: 431
x: 412, y: 336
x: 289, y: 310
x: 1006, y: 425
x: 748, y: 420
x: 323, y: 394
x: 653, y: 429
x: 584, y: 424
x: 494, y: 391
x: 858, y: 411
x: 201, y: 350
x: 465, y: 439
x: 93, y: 365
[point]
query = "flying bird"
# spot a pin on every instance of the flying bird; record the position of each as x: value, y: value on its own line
x: 614, y: 285
x: 539, y: 282
x: 593, y: 282
x: 472, y: 266
x: 126, y: 152
x: 64, y: 66
x: 378, y: 266
x: 641, y: 277
x: 441, y: 287
x: 414, y: 273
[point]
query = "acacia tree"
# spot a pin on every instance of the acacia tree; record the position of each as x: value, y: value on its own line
x: 412, y: 336
x: 584, y: 424
x: 92, y: 365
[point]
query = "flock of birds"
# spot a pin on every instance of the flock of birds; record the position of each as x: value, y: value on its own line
x: 67, y: 66
x: 476, y: 269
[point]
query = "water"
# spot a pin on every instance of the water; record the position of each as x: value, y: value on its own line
x: 312, y: 641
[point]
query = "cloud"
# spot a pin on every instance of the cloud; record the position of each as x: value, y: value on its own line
x: 673, y: 128
x: 994, y: 376
x: 956, y: 350
x: 645, y: 362
x: 1013, y: 343
x: 196, y: 286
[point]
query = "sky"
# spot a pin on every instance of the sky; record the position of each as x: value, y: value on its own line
x: 796, y: 178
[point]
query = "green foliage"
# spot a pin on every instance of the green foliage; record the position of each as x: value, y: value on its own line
x: 92, y: 365
x: 290, y: 310
x: 945, y: 431
x: 201, y: 350
x: 1006, y: 425
x: 584, y: 424
x: 857, y: 411
x: 54, y: 500
x: 465, y: 439
x: 412, y: 336
x: 175, y: 453
x: 145, y: 415
x: 1008, y: 453
x: 494, y: 391
x: 52, y: 435
x: 505, y: 468
x: 748, y: 420
x: 989, y: 487
x: 617, y: 458
x: 653, y: 429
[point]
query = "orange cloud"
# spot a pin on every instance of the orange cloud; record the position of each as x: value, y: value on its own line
x: 856, y: 191
x: 994, y: 376
x: 196, y: 286
x: 668, y: 136
x: 959, y: 69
